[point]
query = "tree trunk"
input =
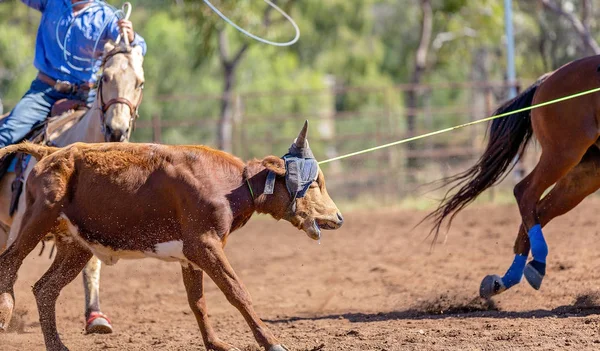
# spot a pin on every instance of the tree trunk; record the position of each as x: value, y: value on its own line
x: 229, y: 65
x: 226, y: 119
x: 412, y: 96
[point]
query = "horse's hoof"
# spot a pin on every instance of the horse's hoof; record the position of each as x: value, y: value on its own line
x: 533, y: 276
x: 278, y: 348
x: 491, y: 285
x: 7, y: 305
x: 98, y: 323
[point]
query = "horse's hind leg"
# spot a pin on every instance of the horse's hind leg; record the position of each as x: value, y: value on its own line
x: 39, y: 219
x: 553, y: 165
x: 580, y: 182
x: 70, y: 260
x: 96, y: 321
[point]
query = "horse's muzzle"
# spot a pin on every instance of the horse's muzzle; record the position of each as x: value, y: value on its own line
x: 116, y: 135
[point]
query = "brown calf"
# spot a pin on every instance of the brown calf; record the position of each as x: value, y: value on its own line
x: 174, y: 203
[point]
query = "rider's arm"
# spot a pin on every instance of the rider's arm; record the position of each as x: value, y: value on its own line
x: 114, y: 32
x: 39, y: 5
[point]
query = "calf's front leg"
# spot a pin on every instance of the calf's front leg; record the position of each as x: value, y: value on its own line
x: 207, y: 253
x: 194, y: 285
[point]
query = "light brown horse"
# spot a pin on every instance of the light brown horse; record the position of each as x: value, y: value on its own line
x: 110, y: 118
x: 568, y: 134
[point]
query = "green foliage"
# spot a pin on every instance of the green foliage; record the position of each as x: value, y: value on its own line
x: 17, y: 39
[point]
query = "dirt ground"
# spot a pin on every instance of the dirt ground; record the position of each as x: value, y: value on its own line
x: 372, y: 285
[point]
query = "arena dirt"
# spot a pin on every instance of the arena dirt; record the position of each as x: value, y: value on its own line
x: 372, y: 285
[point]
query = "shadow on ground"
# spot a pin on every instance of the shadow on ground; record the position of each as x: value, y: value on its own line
x: 445, y: 306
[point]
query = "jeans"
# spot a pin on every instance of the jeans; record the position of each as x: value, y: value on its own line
x: 34, y: 108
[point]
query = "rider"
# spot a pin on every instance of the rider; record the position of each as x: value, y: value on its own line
x: 57, y: 79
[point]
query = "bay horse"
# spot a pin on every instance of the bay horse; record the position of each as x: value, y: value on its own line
x: 173, y: 203
x: 110, y: 118
x: 568, y: 133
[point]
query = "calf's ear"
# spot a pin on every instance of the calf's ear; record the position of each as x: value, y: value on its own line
x: 274, y: 164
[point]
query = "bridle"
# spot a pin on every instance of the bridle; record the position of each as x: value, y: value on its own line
x: 104, y: 106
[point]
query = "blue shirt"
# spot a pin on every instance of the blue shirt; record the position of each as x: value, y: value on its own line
x: 85, y: 30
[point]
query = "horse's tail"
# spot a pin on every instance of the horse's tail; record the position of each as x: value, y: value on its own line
x: 35, y: 150
x: 508, y: 138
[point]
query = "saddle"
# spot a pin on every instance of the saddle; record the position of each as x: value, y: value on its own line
x: 63, y: 115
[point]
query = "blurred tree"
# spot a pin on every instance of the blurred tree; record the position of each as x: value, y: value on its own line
x: 17, y: 38
x: 581, y: 26
x: 213, y: 35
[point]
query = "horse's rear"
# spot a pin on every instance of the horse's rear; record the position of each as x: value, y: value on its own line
x: 568, y: 133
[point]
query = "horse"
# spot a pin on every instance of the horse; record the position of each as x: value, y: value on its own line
x: 173, y: 203
x: 568, y: 133
x: 110, y: 118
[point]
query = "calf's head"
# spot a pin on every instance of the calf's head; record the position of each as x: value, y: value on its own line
x: 297, y: 185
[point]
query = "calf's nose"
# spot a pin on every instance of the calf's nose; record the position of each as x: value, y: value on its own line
x: 340, y: 219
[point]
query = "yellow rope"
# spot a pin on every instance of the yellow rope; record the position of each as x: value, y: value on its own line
x: 459, y: 126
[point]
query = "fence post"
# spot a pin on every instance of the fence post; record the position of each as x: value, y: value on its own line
x: 326, y: 111
x: 156, y: 129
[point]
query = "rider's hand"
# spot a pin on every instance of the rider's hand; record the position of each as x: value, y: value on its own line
x: 125, y: 24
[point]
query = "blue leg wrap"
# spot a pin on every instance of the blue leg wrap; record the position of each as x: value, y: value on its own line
x: 539, y: 248
x: 514, y: 273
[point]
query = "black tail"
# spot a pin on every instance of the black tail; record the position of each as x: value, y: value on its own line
x: 508, y: 137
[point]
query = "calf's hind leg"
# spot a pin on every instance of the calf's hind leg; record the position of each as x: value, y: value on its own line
x: 70, y: 260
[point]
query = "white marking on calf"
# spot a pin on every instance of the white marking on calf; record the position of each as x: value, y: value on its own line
x: 170, y: 251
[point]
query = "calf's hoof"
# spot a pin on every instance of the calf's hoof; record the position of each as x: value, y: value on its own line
x: 220, y: 346
x: 491, y: 285
x: 533, y: 276
x: 278, y: 348
x: 98, y: 323
x: 7, y: 305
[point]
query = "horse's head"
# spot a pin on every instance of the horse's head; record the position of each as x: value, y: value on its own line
x: 299, y: 193
x: 120, y: 90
